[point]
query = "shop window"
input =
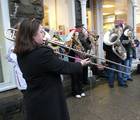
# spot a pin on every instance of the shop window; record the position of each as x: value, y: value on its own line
x: 50, y: 14
x: 46, y: 16
x: 137, y: 22
x: 114, y: 12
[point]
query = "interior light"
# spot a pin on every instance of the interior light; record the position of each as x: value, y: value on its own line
x: 106, y: 13
x: 119, y: 12
x: 108, y: 6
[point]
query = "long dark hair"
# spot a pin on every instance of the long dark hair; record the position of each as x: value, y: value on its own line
x: 24, y: 37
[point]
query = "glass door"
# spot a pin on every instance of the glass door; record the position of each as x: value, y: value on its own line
x: 7, y: 80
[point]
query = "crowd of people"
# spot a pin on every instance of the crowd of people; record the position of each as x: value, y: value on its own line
x: 38, y: 68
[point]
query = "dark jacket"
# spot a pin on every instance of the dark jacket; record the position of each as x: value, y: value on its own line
x: 84, y: 41
x: 110, y: 55
x: 44, y: 98
x: 127, y: 45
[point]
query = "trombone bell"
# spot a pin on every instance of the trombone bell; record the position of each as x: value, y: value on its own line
x: 10, y: 34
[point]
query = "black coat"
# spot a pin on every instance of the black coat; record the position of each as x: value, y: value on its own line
x: 44, y: 98
x: 127, y: 45
x: 84, y: 41
x: 110, y: 55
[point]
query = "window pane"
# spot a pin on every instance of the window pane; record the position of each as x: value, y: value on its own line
x: 114, y: 12
x: 1, y: 75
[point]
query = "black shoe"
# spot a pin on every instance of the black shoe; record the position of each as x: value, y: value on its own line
x: 111, y: 86
x: 130, y: 79
x: 86, y: 83
x: 123, y: 85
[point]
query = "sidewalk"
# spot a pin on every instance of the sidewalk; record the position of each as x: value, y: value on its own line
x: 101, y: 103
x: 104, y: 103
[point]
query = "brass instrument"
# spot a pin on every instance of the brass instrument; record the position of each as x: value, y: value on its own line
x: 111, y: 38
x: 93, y: 36
x: 128, y: 32
x: 78, y: 42
x: 10, y: 35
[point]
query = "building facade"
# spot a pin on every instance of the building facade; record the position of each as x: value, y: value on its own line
x: 96, y: 15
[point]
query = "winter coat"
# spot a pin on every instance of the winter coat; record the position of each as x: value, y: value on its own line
x: 44, y: 98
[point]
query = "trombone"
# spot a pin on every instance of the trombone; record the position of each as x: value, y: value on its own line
x: 10, y: 34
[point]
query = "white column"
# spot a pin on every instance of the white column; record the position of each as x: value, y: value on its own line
x: 134, y: 13
x: 100, y: 29
x: 83, y: 12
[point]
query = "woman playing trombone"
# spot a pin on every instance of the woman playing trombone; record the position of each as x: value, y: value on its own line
x: 44, y: 98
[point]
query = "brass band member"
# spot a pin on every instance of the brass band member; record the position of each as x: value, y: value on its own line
x: 110, y: 55
x: 76, y: 83
x: 44, y: 97
x: 129, y: 45
x: 83, y: 37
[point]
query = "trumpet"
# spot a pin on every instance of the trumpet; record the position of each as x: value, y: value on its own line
x: 10, y: 34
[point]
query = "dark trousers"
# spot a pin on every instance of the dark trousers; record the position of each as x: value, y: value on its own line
x: 76, y: 79
x: 85, y: 75
x: 76, y: 84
